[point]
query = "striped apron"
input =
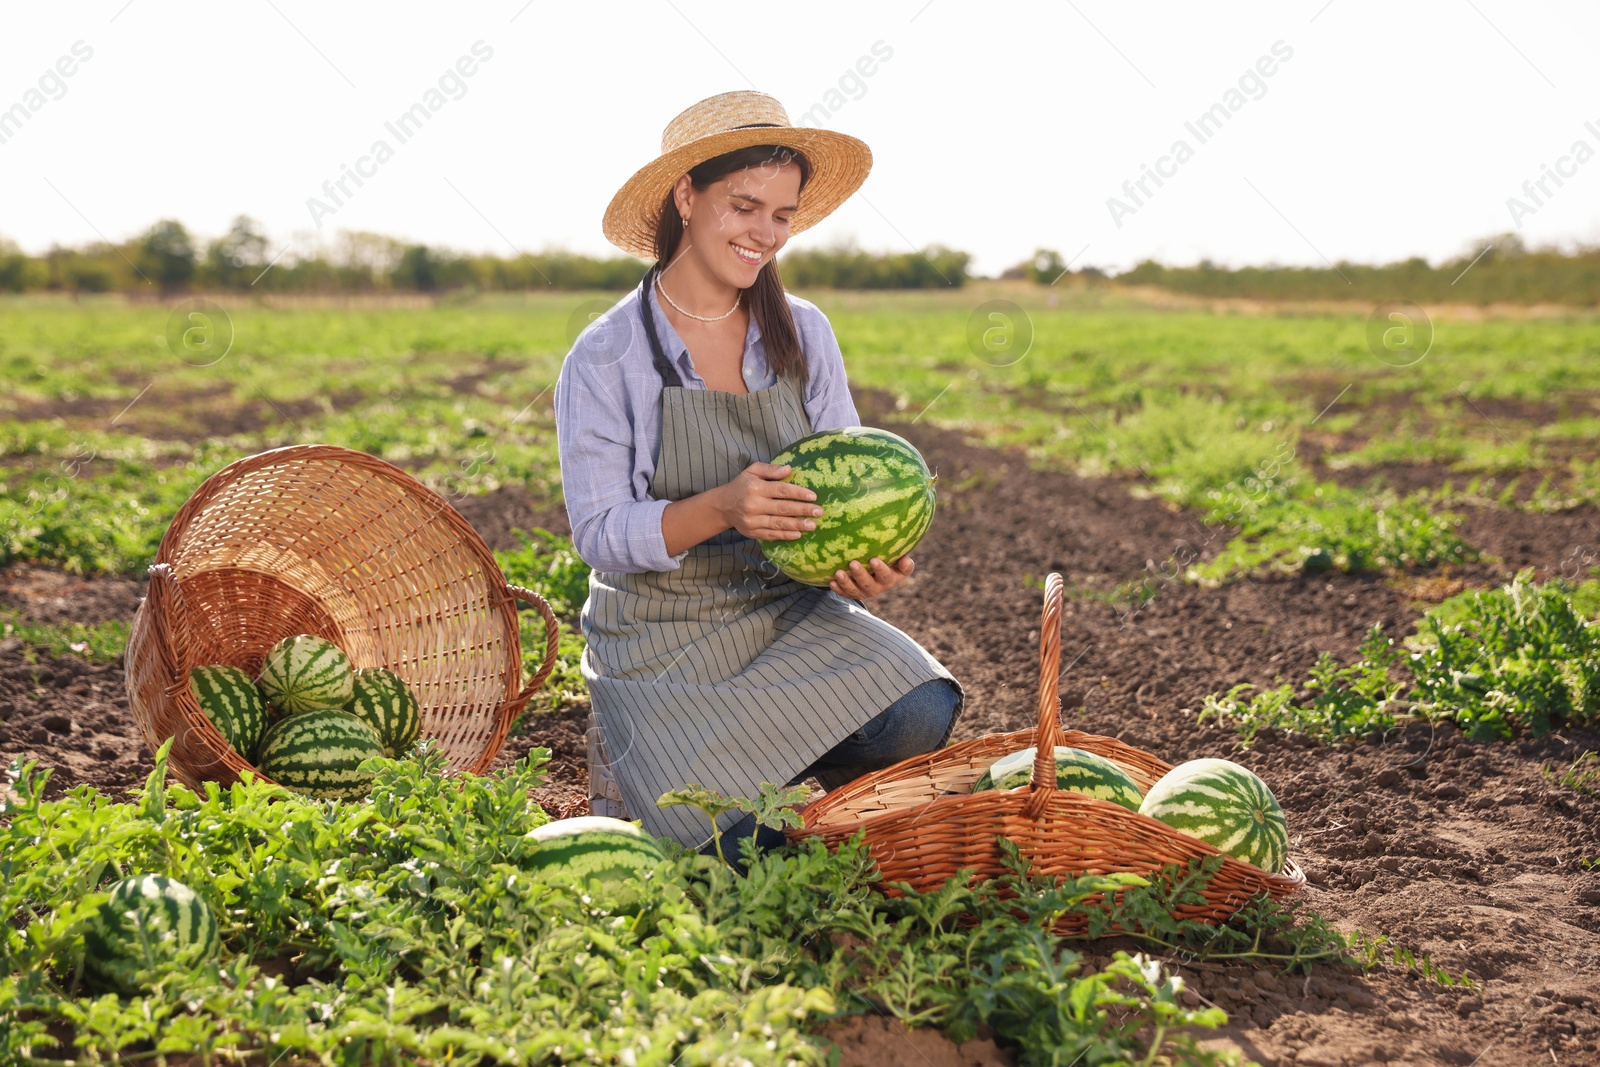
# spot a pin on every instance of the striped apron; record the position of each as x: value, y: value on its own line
x: 724, y: 672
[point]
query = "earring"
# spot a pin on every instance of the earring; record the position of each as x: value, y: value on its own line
x: 686, y: 224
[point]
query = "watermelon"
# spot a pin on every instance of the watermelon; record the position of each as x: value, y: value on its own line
x: 1224, y: 805
x: 319, y: 753
x: 1077, y: 770
x: 305, y: 672
x: 231, y: 700
x: 146, y: 921
x: 876, y: 495
x: 592, y: 848
x: 383, y: 701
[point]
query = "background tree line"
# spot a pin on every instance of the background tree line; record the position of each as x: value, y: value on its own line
x: 1498, y: 270
x: 167, y: 258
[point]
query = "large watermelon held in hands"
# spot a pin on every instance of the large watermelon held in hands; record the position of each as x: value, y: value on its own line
x: 876, y: 494
x: 230, y: 699
x: 148, y: 920
x: 1076, y: 769
x: 592, y: 848
x: 319, y: 753
x: 382, y: 699
x: 305, y: 672
x: 1224, y: 805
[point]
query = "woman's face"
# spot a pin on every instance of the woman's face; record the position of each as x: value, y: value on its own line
x: 741, y: 220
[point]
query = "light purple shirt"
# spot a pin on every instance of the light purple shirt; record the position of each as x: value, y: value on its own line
x: 608, y: 423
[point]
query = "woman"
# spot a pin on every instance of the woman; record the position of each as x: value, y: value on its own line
x: 705, y: 664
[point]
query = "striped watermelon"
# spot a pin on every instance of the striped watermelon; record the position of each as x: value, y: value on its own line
x: 876, y: 495
x: 1077, y: 770
x: 148, y: 920
x: 304, y: 672
x: 231, y: 700
x: 319, y: 753
x: 574, y: 852
x: 384, y: 701
x: 1224, y: 805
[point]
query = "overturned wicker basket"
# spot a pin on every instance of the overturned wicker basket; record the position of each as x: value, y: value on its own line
x: 923, y: 823
x: 329, y: 541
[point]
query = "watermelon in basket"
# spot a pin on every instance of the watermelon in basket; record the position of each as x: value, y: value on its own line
x: 335, y: 543
x: 922, y: 821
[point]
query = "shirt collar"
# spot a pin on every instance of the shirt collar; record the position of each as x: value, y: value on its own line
x: 671, y: 342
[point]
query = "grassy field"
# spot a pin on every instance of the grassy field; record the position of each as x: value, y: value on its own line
x: 108, y: 426
x: 1284, y: 434
x: 105, y: 429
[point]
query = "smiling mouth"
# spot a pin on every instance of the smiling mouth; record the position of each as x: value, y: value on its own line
x: 746, y: 254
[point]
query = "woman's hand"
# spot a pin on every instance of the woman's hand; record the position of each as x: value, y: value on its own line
x: 860, y: 583
x: 760, y: 504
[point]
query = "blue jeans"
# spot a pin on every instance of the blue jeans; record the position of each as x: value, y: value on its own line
x: 918, y: 722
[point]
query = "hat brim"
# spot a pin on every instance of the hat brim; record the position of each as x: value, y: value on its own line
x: 839, y: 164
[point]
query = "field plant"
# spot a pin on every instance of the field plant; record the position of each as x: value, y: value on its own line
x: 1519, y: 656
x: 1331, y: 528
x: 1525, y: 656
x: 92, y: 502
x: 1371, y: 950
x: 1581, y: 776
x: 415, y: 927
x: 102, y: 641
x: 1355, y: 700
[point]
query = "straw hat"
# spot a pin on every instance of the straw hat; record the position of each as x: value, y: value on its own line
x: 722, y: 123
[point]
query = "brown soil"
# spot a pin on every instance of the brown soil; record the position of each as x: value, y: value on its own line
x: 495, y: 514
x: 174, y: 411
x: 1467, y: 853
x: 1549, y: 474
x: 47, y: 595
x: 72, y: 716
x: 879, y: 1040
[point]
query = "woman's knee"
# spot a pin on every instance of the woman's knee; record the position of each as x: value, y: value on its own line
x: 923, y: 717
x: 934, y: 705
x: 919, y: 721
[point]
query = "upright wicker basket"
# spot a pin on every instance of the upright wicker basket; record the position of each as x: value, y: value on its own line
x: 923, y: 823
x: 326, y: 540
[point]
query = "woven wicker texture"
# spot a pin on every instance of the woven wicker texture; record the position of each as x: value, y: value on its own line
x: 923, y: 823
x: 329, y: 541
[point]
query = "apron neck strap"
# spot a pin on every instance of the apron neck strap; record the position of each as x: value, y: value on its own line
x: 664, y: 367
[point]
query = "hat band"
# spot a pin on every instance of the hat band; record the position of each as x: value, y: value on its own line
x: 753, y: 125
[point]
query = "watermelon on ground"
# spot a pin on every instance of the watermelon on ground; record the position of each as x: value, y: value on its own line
x: 1224, y: 805
x: 148, y: 920
x: 231, y: 700
x: 305, y: 672
x: 1079, y: 770
x: 319, y: 753
x: 382, y: 699
x: 592, y: 848
x: 876, y: 494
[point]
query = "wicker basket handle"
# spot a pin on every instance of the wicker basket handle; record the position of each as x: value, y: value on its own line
x: 166, y: 600
x: 552, y: 634
x: 1044, y: 759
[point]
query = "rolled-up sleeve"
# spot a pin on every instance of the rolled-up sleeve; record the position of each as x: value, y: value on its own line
x: 828, y: 401
x: 612, y: 528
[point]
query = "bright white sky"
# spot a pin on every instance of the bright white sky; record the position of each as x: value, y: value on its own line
x: 1395, y: 129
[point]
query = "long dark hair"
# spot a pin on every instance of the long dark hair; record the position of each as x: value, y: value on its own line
x: 766, y: 299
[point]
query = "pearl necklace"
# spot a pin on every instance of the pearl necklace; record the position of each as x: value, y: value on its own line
x: 703, y: 318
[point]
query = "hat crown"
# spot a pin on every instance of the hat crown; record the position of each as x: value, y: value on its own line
x: 718, y: 114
